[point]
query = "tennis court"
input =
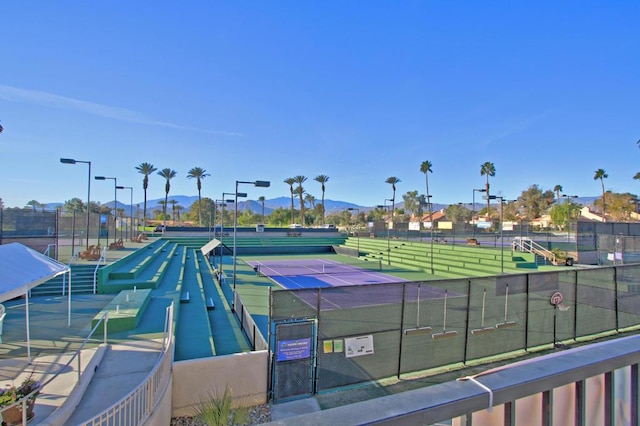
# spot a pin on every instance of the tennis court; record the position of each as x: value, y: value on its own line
x: 321, y: 273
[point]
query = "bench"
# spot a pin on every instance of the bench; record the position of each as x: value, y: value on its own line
x: 184, y: 297
x: 210, y: 304
x: 473, y: 242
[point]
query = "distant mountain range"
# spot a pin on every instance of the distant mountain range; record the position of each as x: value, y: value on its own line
x: 255, y: 206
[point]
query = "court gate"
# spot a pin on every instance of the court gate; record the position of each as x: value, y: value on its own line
x: 293, y: 366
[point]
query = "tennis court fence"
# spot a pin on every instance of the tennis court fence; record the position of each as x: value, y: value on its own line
x: 355, y: 334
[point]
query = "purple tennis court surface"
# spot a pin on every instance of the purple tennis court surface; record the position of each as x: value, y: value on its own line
x: 319, y: 273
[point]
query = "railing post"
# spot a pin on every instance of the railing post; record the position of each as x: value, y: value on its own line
x: 79, y: 365
x: 106, y: 321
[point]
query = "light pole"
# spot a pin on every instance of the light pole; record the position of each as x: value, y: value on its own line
x: 431, y: 227
x: 72, y: 161
x: 130, y: 188
x: 473, y: 210
x: 568, y: 210
x: 496, y: 197
x: 222, y: 225
x: 357, y: 236
x: 259, y: 184
x: 389, y: 229
x: 115, y: 202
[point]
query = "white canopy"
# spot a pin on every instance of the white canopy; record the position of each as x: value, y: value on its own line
x: 21, y: 269
x: 210, y: 246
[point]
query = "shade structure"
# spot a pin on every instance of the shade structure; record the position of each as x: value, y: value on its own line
x: 21, y: 269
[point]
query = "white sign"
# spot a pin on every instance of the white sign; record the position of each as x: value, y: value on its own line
x: 483, y: 225
x: 358, y: 346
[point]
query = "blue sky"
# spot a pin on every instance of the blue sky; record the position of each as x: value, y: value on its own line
x: 359, y: 91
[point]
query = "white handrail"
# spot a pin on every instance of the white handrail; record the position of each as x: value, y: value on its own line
x: 530, y: 246
x: 103, y: 257
x: 78, y: 354
x: 74, y: 257
x: 137, y: 405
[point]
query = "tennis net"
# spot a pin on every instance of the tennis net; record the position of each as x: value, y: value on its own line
x: 295, y: 268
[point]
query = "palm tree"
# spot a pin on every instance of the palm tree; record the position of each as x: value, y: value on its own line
x: 167, y: 174
x: 300, y: 179
x: 393, y: 181
x: 262, y: 200
x: 488, y: 169
x: 637, y: 176
x: 602, y: 175
x: 146, y: 169
x: 173, y: 210
x: 34, y: 204
x: 198, y: 173
x: 557, y: 189
x: 290, y: 182
x: 322, y: 179
x: 425, y: 168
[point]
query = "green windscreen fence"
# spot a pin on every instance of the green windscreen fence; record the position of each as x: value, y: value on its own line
x: 370, y: 332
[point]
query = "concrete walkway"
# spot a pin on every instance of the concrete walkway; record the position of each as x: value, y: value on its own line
x: 124, y: 367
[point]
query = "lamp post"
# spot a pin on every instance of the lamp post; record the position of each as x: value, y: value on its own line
x: 431, y: 228
x: 115, y: 202
x: 130, y: 188
x: 72, y: 161
x: 496, y: 197
x: 259, y: 184
x: 565, y: 196
x: 473, y: 210
x: 357, y: 236
x: 222, y: 224
x: 389, y: 229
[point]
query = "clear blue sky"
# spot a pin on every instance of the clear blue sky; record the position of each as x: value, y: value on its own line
x: 357, y: 90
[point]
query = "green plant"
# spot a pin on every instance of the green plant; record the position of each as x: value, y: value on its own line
x: 30, y: 386
x: 217, y: 410
x: 560, y: 254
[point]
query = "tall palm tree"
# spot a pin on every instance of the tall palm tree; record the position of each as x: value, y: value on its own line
x: 322, y: 179
x: 637, y: 176
x: 290, y: 182
x: 557, y: 189
x: 173, y: 210
x: 198, y: 173
x: 488, y: 169
x: 34, y: 204
x: 146, y: 169
x: 300, y: 179
x: 167, y: 174
x: 601, y: 174
x: 393, y: 181
x: 425, y: 168
x: 262, y: 200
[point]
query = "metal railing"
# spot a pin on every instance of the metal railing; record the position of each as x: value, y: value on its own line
x: 530, y: 246
x: 103, y: 258
x: 30, y: 397
x: 136, y: 407
x: 547, y: 390
x: 74, y: 258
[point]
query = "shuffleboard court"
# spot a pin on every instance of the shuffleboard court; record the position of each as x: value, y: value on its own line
x: 320, y: 273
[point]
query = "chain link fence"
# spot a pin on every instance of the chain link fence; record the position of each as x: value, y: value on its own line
x: 371, y: 332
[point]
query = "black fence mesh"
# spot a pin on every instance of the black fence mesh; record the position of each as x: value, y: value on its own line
x: 409, y: 327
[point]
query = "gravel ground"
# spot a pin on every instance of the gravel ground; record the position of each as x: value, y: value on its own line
x: 258, y: 415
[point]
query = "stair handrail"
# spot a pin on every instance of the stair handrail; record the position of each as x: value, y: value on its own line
x: 77, y: 356
x: 74, y: 257
x: 530, y: 246
x: 103, y: 258
x: 151, y: 389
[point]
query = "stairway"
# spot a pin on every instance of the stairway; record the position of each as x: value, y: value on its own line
x: 81, y: 281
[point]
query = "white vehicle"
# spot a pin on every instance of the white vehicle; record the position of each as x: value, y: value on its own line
x: 295, y: 226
